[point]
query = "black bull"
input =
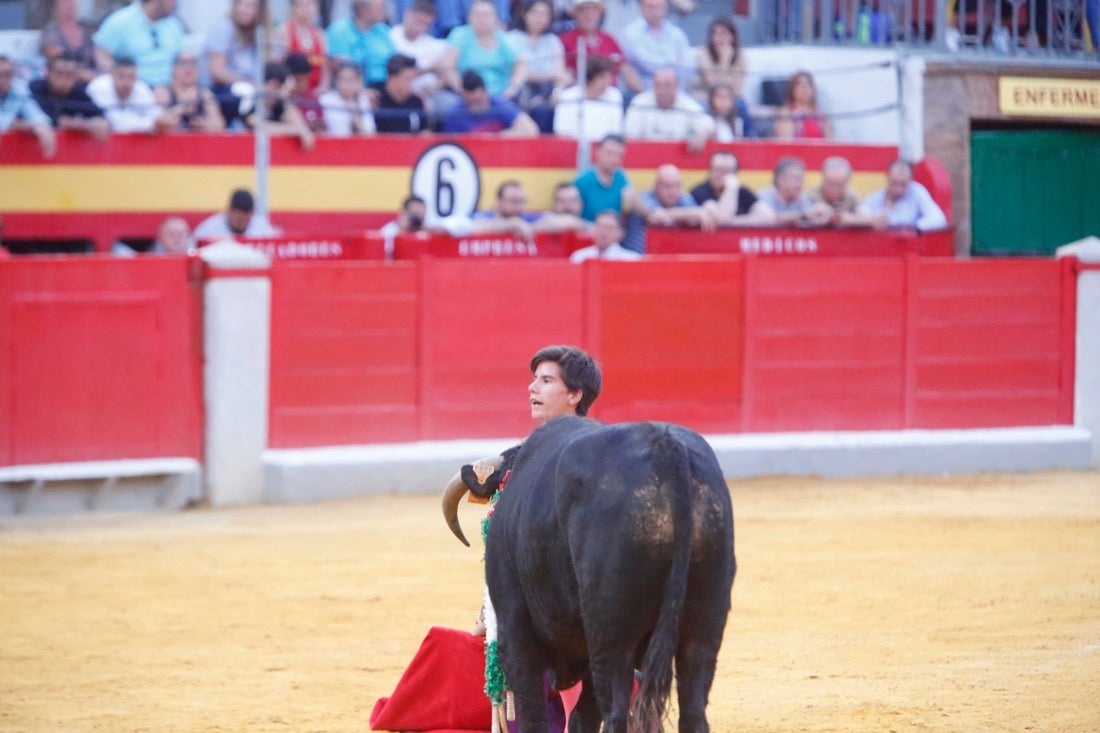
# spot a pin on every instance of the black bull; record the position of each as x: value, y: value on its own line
x: 610, y: 550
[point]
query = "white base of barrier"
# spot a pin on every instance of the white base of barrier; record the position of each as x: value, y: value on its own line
x: 139, y: 484
x: 414, y: 468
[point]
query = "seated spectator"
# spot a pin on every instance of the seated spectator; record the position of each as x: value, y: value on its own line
x: 145, y: 31
x: 605, y: 186
x: 667, y: 113
x: 412, y: 38
x: 482, y: 46
x: 363, y: 38
x: 597, y: 42
x: 668, y: 205
x: 19, y: 111
x: 301, y: 34
x: 65, y: 100
x: 904, y: 202
x: 298, y: 91
x: 510, y: 214
x: 398, y: 109
x: 193, y: 106
x: 607, y: 231
x: 567, y: 199
x: 238, y: 220
x: 799, y: 117
x: 598, y: 106
x: 480, y: 112
x: 411, y: 218
x: 732, y: 203
x: 731, y: 115
x: 128, y: 102
x: 653, y: 43
x: 173, y: 238
x: 231, y: 56
x: 544, y: 57
x: 792, y: 206
x: 347, y: 107
x: 280, y: 116
x: 834, y: 192
x: 65, y: 34
x: 720, y: 61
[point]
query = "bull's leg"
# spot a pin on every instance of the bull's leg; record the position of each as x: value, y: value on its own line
x: 613, y: 678
x: 524, y: 665
x: 695, y: 662
x: 586, y: 717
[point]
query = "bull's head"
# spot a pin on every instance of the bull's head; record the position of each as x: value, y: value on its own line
x: 481, y: 478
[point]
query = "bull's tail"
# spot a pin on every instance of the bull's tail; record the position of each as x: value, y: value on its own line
x: 649, y: 707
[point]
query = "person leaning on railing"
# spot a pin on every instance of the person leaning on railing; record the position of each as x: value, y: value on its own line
x: 903, y: 202
x: 19, y: 110
x: 65, y: 100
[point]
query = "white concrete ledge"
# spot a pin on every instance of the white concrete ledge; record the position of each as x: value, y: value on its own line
x: 138, y: 484
x: 411, y: 468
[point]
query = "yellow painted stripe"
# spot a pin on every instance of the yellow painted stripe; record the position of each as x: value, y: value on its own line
x: 109, y: 188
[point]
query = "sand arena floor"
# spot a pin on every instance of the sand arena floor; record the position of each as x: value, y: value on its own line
x: 966, y: 604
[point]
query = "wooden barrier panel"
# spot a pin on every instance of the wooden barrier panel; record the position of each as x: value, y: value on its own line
x: 801, y: 242
x: 313, y: 246
x: 988, y: 343
x: 481, y: 320
x: 824, y: 344
x: 413, y: 246
x: 102, y: 359
x: 669, y: 336
x: 344, y: 367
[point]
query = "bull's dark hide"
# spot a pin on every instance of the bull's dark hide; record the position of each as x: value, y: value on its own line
x: 611, y: 550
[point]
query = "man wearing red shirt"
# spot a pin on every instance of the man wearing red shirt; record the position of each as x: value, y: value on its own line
x: 597, y: 42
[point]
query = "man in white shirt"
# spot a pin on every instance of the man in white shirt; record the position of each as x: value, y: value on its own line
x: 904, y: 202
x: 236, y: 221
x: 595, y: 111
x: 668, y: 113
x: 411, y: 38
x: 127, y: 102
x: 607, y: 230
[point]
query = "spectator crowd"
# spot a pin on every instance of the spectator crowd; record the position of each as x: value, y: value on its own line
x: 548, y: 68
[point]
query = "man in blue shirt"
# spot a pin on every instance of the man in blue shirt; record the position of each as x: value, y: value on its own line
x: 363, y: 39
x: 653, y: 42
x: 480, y: 112
x: 145, y: 31
x: 19, y: 111
x: 605, y: 186
x: 904, y: 202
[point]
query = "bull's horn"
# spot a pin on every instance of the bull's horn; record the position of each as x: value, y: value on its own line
x: 456, y: 489
x: 453, y: 494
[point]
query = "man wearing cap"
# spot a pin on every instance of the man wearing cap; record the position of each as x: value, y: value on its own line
x: 597, y: 42
x: 480, y: 112
x: 236, y: 221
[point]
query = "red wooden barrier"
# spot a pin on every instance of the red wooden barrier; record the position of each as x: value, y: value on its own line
x: 343, y: 354
x: 988, y: 343
x: 434, y: 244
x: 824, y: 344
x: 103, y: 359
x: 369, y: 245
x: 803, y: 242
x: 481, y: 320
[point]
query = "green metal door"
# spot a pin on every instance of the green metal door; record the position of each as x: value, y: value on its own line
x: 1033, y: 190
